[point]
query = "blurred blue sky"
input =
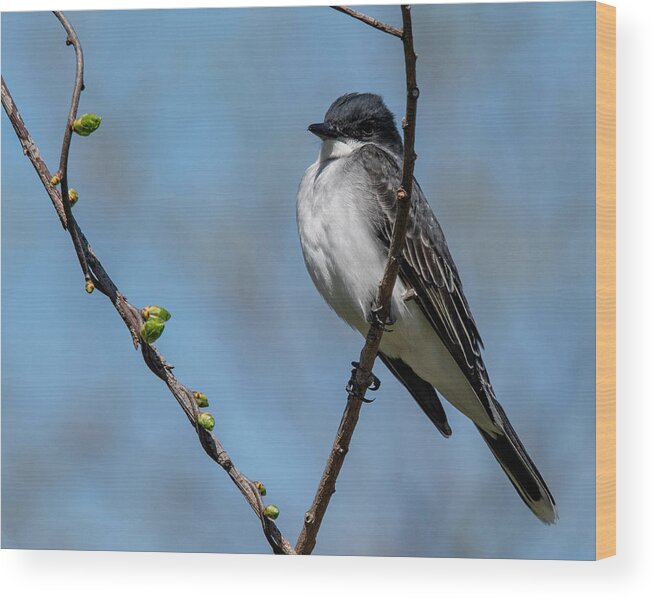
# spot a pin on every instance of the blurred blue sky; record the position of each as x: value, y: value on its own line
x: 188, y: 196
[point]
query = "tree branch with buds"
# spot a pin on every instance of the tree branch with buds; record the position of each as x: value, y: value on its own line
x: 147, y: 325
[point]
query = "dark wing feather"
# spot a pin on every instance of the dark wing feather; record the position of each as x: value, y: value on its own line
x: 429, y: 269
x: 422, y: 391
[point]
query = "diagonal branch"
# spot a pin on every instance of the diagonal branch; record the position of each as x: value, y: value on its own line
x: 370, y: 21
x: 314, y: 516
x: 133, y: 319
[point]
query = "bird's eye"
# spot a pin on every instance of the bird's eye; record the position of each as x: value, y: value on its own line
x: 367, y: 128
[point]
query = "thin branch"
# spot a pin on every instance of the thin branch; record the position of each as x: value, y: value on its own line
x: 78, y: 86
x: 390, y: 29
x: 32, y: 152
x: 132, y: 318
x: 314, y: 516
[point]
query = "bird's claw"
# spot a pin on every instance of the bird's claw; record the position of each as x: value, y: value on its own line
x: 353, y: 388
x: 375, y: 319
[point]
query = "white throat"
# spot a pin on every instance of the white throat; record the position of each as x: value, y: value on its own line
x: 331, y: 149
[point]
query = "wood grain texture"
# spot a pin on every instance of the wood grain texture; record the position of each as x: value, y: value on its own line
x: 605, y: 281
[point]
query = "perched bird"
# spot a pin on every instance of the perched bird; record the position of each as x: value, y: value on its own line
x: 346, y: 210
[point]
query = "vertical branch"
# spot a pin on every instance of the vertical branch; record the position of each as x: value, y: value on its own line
x: 314, y: 516
x: 78, y: 86
x: 409, y: 122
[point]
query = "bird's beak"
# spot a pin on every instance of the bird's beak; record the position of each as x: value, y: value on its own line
x: 323, y: 130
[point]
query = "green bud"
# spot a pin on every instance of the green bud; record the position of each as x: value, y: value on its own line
x: 157, y: 312
x: 89, y: 287
x: 151, y: 330
x: 201, y: 399
x: 261, y: 488
x: 55, y: 180
x: 86, y: 124
x: 73, y: 196
x: 206, y: 421
x: 272, y: 512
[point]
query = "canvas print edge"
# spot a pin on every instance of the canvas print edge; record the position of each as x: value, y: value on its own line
x: 605, y: 280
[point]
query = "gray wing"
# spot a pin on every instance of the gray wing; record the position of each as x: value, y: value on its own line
x: 429, y: 269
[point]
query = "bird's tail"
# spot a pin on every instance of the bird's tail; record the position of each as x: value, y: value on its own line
x: 524, y: 475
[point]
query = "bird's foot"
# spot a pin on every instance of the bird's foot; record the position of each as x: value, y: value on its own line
x: 375, y: 319
x: 352, y: 387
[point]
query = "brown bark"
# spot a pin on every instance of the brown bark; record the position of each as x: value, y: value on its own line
x: 326, y: 487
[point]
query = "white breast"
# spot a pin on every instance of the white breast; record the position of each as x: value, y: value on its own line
x: 342, y: 254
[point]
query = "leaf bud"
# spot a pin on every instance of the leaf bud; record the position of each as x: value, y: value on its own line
x: 201, y: 399
x: 157, y: 312
x: 206, y: 421
x: 151, y: 330
x: 86, y: 124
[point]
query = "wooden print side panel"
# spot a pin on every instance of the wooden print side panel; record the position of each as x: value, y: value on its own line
x: 605, y: 280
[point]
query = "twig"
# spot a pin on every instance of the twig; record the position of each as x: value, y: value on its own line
x: 32, y: 152
x: 78, y: 86
x: 370, y: 21
x: 314, y: 516
x: 132, y: 318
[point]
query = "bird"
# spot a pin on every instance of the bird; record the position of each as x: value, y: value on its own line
x: 346, y: 209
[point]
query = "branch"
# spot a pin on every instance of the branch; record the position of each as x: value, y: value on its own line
x: 72, y: 39
x: 314, y: 516
x: 370, y: 21
x: 131, y: 315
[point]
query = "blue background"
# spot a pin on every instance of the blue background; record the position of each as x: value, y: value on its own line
x: 188, y: 196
